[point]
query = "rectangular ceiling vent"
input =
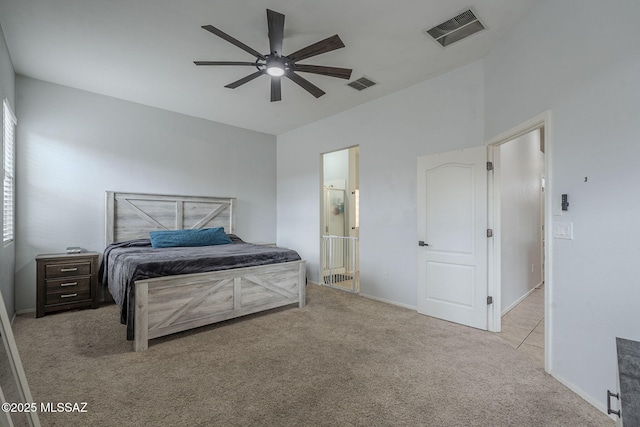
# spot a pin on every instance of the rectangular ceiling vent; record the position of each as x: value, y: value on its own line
x: 362, y: 83
x: 455, y: 29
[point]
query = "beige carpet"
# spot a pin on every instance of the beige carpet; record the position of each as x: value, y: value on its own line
x: 343, y: 360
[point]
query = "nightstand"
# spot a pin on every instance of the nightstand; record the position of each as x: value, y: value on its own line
x: 66, y: 281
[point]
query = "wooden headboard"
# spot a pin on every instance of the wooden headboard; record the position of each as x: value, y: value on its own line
x: 132, y: 216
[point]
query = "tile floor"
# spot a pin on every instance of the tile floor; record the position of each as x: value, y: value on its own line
x: 523, y: 327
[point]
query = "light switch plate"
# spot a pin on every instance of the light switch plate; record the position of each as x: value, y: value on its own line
x: 563, y: 230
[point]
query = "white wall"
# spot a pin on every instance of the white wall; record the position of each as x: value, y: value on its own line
x: 439, y: 115
x: 74, y: 145
x: 336, y: 166
x: 521, y: 167
x: 581, y: 60
x: 7, y: 253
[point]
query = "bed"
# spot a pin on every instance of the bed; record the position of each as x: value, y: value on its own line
x: 162, y: 295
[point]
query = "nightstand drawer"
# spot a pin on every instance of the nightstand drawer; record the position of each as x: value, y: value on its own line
x: 68, y: 285
x: 69, y: 296
x: 67, y: 270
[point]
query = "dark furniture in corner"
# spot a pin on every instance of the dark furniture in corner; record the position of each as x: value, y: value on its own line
x: 66, y: 281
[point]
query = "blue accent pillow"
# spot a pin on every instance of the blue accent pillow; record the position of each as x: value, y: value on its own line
x: 201, y: 237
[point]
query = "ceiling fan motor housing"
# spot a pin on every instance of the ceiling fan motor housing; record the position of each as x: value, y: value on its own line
x: 277, y: 65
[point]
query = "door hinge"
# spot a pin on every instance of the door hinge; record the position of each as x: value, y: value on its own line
x: 489, y: 166
x: 489, y: 300
x: 489, y: 232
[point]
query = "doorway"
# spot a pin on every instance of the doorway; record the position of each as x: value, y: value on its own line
x: 519, y: 191
x: 340, y: 220
x: 459, y: 247
x: 519, y: 265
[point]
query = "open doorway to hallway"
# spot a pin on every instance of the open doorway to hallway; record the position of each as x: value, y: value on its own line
x: 340, y: 220
x: 519, y: 185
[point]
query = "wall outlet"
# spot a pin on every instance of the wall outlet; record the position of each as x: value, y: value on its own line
x: 385, y: 276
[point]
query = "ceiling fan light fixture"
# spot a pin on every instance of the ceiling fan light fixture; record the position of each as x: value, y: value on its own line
x: 275, y: 66
x: 275, y: 70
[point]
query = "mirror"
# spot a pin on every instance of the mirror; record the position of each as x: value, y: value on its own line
x: 17, y: 404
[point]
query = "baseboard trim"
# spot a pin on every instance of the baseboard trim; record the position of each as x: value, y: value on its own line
x: 410, y: 307
x: 26, y: 311
x: 588, y: 398
x: 519, y: 300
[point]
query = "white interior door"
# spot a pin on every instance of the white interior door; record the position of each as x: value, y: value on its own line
x: 452, y: 223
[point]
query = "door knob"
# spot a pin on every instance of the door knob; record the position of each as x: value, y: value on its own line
x: 422, y: 243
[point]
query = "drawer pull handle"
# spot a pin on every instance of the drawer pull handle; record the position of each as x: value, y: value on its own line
x: 609, y: 396
x: 69, y: 269
x: 69, y: 284
x: 68, y: 295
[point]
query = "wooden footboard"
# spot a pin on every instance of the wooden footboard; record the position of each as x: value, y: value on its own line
x: 171, y: 304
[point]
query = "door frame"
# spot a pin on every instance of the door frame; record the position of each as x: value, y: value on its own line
x: 543, y: 121
x: 322, y: 207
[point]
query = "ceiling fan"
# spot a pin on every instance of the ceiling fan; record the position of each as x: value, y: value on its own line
x: 277, y: 65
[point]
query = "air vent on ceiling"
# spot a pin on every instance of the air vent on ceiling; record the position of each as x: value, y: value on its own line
x: 455, y: 29
x: 361, y: 83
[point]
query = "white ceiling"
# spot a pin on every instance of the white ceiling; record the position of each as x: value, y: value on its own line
x: 143, y: 50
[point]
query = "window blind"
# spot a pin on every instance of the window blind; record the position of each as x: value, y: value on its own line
x: 8, y: 183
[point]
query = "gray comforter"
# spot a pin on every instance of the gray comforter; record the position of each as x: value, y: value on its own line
x: 125, y: 262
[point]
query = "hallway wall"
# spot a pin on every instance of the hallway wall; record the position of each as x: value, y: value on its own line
x: 521, y: 167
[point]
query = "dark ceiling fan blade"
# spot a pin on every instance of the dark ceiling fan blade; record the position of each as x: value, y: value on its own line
x: 276, y: 91
x: 306, y: 85
x: 223, y: 63
x: 245, y: 79
x: 323, y: 46
x: 341, y: 73
x: 232, y: 40
x: 275, y: 21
